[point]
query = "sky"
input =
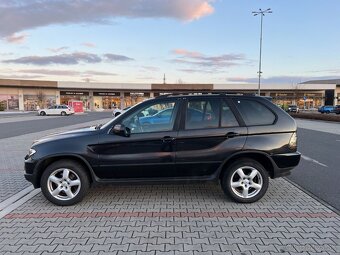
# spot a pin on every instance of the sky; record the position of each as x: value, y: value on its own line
x: 190, y: 41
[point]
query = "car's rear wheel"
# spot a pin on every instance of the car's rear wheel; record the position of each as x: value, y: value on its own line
x: 42, y: 113
x: 64, y: 182
x: 63, y: 113
x: 245, y: 181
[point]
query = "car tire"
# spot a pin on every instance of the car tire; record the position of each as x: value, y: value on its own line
x: 245, y: 174
x: 56, y: 182
x: 42, y: 113
x: 63, y: 113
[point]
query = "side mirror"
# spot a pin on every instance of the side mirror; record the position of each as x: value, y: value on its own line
x: 120, y: 129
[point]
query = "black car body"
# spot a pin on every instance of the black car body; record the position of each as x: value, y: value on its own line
x: 236, y: 132
x: 337, y: 109
x: 293, y: 108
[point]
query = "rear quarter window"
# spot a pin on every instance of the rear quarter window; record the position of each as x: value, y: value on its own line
x: 254, y: 113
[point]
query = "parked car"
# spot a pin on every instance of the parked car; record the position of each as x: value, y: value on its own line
x: 293, y: 108
x: 326, y: 109
x: 116, y: 112
x: 239, y: 141
x: 56, y: 110
x: 337, y: 109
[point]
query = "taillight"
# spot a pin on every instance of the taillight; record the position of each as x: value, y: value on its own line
x: 293, y: 141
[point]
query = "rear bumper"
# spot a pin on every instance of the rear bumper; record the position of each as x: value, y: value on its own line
x: 284, y: 163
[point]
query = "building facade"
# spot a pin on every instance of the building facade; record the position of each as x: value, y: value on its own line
x: 29, y: 95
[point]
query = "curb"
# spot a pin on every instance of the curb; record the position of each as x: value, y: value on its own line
x: 324, y: 203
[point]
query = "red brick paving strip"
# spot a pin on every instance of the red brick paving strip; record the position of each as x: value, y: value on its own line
x: 173, y: 214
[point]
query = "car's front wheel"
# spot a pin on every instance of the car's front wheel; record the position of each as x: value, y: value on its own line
x: 64, y: 182
x: 245, y: 181
x: 42, y: 113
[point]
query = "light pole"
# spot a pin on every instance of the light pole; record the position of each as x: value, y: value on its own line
x: 262, y: 14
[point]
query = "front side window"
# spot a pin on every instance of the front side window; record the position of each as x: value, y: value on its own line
x: 202, y: 114
x: 159, y: 117
x: 254, y: 113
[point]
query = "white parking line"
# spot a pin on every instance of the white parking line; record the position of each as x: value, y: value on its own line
x: 15, y: 197
x: 19, y: 202
x: 313, y: 160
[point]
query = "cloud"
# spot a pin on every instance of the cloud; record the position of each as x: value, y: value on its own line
x: 283, y: 79
x: 24, y: 77
x: 150, y: 68
x: 188, y: 70
x: 57, y: 50
x: 67, y: 59
x: 89, y: 44
x: 21, y: 15
x: 200, y: 62
x: 115, y: 57
x: 16, y: 38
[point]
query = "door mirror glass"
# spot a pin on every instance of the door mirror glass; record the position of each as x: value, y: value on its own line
x: 121, y: 130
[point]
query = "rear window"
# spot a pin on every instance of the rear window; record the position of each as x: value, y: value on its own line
x: 254, y: 113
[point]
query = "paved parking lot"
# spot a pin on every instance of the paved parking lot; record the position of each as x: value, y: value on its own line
x: 161, y: 219
x: 174, y: 219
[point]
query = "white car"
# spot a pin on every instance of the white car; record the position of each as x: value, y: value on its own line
x: 116, y: 112
x: 56, y: 110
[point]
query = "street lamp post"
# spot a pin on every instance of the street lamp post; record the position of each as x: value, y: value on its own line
x: 262, y: 14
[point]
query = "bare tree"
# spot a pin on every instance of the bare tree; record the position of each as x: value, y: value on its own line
x: 40, y: 97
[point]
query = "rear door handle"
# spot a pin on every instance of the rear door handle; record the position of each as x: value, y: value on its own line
x: 232, y: 134
x: 168, y: 139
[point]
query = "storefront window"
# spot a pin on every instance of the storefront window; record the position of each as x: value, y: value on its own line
x: 106, y: 100
x: 35, y: 102
x: 131, y: 99
x: 9, y: 102
x: 66, y: 96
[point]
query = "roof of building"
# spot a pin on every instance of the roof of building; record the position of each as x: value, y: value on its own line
x: 329, y: 81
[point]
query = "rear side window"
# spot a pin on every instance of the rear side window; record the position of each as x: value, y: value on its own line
x: 227, y: 116
x: 254, y: 113
x: 202, y: 114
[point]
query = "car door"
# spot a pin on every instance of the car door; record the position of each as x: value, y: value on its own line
x: 148, y: 152
x: 209, y: 133
x: 51, y: 110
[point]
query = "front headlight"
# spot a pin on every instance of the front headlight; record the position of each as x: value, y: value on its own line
x: 31, y: 152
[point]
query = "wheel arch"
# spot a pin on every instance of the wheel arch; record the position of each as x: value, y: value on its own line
x: 258, y: 156
x: 48, y: 161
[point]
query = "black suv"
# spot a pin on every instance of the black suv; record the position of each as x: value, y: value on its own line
x: 238, y: 140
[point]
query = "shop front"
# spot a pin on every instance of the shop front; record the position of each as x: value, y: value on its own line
x: 132, y: 98
x: 9, y: 102
x: 67, y: 96
x: 106, y: 100
x: 35, y: 102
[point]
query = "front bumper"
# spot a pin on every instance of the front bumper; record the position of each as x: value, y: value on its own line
x: 284, y: 163
x: 30, y: 173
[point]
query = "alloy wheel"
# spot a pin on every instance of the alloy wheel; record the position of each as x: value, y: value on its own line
x: 246, y: 182
x: 63, y: 184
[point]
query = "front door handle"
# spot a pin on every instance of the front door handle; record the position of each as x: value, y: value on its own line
x: 232, y: 134
x: 168, y: 139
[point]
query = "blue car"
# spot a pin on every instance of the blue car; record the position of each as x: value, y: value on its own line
x: 326, y: 109
x: 164, y: 116
x: 161, y: 117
